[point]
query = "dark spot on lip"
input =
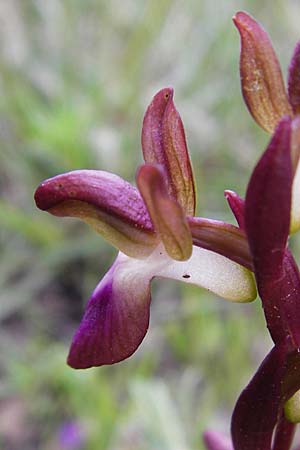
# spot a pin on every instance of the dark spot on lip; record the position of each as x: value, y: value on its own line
x: 186, y: 276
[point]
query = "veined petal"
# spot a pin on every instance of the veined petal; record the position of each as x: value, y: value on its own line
x: 222, y: 238
x: 261, y: 78
x: 294, y: 80
x: 268, y: 204
x: 116, y: 318
x: 237, y: 206
x: 163, y: 142
x: 112, y: 206
x: 166, y: 214
x: 214, y: 440
x: 208, y: 270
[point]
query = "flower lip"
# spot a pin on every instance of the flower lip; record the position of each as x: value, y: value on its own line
x: 116, y: 318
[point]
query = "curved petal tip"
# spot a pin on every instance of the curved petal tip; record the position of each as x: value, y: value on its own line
x: 116, y: 318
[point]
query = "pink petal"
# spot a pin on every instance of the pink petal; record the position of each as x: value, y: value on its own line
x: 166, y: 214
x: 105, y: 201
x: 163, y: 142
x: 116, y: 317
x: 261, y: 78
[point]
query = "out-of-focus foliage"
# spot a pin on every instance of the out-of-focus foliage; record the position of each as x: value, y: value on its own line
x: 75, y: 78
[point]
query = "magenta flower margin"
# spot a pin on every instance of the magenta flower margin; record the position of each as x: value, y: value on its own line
x: 157, y: 234
x: 154, y: 229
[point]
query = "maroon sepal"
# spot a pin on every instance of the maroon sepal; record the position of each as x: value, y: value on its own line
x: 280, y: 297
x: 259, y: 407
x: 267, y: 219
x: 268, y: 205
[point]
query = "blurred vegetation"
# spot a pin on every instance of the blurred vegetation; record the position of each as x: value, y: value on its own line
x: 75, y: 79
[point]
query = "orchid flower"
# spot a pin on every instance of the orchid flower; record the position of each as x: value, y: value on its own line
x: 260, y: 408
x: 266, y: 409
x: 265, y: 94
x: 156, y: 233
x: 268, y: 101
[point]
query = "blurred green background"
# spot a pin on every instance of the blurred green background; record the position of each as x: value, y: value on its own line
x: 75, y: 79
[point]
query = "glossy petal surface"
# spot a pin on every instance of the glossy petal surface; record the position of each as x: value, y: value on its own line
x: 117, y: 315
x: 164, y: 143
x: 112, y: 206
x: 267, y: 212
x: 116, y: 318
x: 268, y: 203
x: 211, y: 271
x: 267, y: 223
x: 294, y: 80
x: 166, y: 214
x: 261, y: 78
x: 222, y: 238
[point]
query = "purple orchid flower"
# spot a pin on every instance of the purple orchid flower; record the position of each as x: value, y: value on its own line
x: 267, y: 410
x: 156, y: 233
x: 259, y: 410
x: 263, y: 416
